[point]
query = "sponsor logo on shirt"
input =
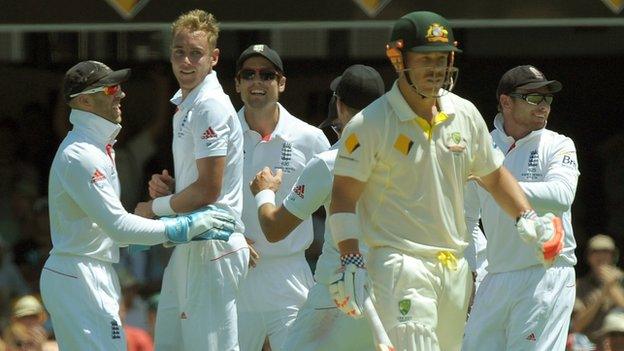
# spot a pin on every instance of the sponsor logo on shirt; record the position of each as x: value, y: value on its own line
x: 352, y: 143
x: 97, y: 176
x: 209, y: 134
x: 403, y: 144
x: 299, y: 190
x: 568, y: 159
x: 531, y: 337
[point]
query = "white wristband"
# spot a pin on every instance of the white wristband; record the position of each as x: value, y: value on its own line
x: 266, y: 196
x: 344, y: 225
x: 161, y: 206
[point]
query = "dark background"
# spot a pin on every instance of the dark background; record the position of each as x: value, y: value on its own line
x: 580, y: 43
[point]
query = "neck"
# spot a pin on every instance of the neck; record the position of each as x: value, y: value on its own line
x: 514, y: 131
x: 262, y: 120
x: 424, y: 107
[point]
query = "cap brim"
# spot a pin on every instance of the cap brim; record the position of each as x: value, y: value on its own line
x: 334, y: 84
x: 332, y: 112
x: 552, y: 85
x: 115, y: 77
x: 435, y: 48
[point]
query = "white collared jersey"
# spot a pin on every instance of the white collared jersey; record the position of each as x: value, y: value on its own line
x: 291, y: 145
x: 414, y: 172
x: 312, y: 190
x: 546, y: 167
x: 206, y: 125
x: 86, y: 215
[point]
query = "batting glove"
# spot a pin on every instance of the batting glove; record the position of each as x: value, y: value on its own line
x: 211, y: 223
x: 348, y: 291
x: 545, y: 232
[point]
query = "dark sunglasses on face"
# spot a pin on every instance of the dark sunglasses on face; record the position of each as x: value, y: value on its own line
x: 534, y: 98
x: 264, y: 74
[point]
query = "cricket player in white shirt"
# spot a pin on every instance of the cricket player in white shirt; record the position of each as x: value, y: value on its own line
x: 197, y: 306
x: 404, y: 163
x: 277, y: 286
x: 522, y: 304
x: 88, y: 224
x: 319, y: 324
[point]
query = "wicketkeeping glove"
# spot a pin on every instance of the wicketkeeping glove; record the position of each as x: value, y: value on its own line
x: 545, y: 232
x: 210, y: 223
x: 348, y: 291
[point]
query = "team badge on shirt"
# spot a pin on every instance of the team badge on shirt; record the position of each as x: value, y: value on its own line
x: 404, y: 308
x: 454, y: 142
x: 352, y: 143
x: 403, y: 144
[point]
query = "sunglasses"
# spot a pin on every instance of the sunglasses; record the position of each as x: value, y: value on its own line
x: 534, y: 98
x: 264, y: 74
x: 108, y: 90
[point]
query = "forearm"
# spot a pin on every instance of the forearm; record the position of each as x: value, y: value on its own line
x: 193, y: 197
x: 131, y: 229
x: 584, y: 317
x: 617, y: 295
x: 276, y: 222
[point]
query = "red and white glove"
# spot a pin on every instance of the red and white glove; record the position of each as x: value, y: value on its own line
x: 545, y: 232
x: 348, y: 291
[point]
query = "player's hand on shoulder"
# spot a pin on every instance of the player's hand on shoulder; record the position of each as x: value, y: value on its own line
x: 161, y: 184
x: 144, y: 209
x: 545, y: 232
x: 266, y: 179
x: 348, y: 290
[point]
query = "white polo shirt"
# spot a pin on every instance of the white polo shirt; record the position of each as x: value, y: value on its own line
x: 311, y: 191
x: 205, y: 125
x: 86, y: 216
x: 415, y: 174
x: 546, y: 167
x: 291, y: 145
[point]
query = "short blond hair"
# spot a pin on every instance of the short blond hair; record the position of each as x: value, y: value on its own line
x: 198, y: 20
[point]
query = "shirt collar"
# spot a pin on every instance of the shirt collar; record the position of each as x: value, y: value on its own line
x: 499, y: 124
x: 94, y: 126
x: 281, y: 130
x: 405, y: 112
x: 210, y: 82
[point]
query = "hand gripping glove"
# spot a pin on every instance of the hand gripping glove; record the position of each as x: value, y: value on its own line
x: 545, y: 232
x: 348, y: 291
x: 210, y: 223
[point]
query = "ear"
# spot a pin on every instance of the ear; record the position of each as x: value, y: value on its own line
x: 214, y: 57
x: 237, y: 84
x: 281, y: 84
x: 505, y: 102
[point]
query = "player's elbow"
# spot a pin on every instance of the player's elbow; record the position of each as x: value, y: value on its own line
x: 272, y: 232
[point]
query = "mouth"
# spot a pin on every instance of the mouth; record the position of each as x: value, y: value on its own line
x: 257, y: 92
x: 187, y: 72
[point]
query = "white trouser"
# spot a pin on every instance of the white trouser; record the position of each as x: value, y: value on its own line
x: 527, y: 309
x: 421, y: 301
x: 197, y: 306
x: 270, y: 297
x: 82, y: 296
x: 322, y: 326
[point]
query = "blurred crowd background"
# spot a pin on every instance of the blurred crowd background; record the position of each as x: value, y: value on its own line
x: 578, y: 42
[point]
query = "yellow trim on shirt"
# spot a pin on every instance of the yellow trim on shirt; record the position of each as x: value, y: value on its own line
x: 428, y: 127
